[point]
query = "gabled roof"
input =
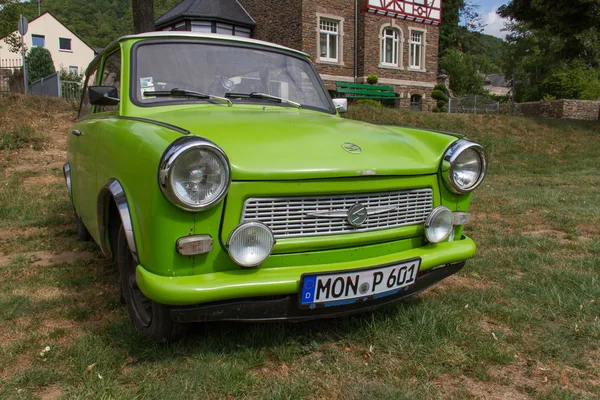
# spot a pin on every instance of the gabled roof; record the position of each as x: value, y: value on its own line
x: 224, y: 10
x: 57, y: 20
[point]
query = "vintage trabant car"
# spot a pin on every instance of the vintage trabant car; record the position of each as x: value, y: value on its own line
x: 219, y: 175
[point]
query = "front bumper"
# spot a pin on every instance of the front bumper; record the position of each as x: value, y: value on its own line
x: 283, y: 281
x: 285, y: 308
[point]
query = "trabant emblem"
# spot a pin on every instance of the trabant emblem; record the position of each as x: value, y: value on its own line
x: 357, y: 215
x: 351, y: 148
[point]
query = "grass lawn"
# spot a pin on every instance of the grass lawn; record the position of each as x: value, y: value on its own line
x: 520, y: 321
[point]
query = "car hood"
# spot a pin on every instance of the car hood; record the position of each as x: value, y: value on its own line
x: 274, y: 143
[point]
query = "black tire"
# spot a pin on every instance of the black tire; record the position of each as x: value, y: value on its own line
x: 151, y: 319
x: 82, y: 233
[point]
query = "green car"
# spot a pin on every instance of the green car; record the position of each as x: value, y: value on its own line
x: 217, y: 173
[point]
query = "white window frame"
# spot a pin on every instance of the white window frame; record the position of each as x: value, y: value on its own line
x: 70, y: 42
x: 398, y: 63
x: 422, y: 45
x: 340, y: 38
x: 75, y: 68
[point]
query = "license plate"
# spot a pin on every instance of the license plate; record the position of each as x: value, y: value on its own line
x: 341, y: 288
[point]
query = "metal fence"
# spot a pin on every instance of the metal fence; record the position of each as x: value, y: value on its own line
x: 71, y: 90
x: 11, y: 76
x: 473, y: 104
x: 55, y: 87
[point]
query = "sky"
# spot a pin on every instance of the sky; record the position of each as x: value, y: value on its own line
x: 493, y: 22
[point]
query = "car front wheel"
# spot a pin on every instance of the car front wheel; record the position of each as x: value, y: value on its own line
x: 150, y: 318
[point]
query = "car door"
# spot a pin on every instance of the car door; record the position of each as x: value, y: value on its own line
x: 76, y: 139
x: 88, y: 140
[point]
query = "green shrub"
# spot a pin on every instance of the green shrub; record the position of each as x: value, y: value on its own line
x: 20, y: 137
x: 66, y: 75
x: 372, y: 79
x: 369, y: 102
x: 575, y: 81
x: 39, y: 64
x: 441, y: 87
x: 439, y: 95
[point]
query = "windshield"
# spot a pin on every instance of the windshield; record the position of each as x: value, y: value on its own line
x: 224, y: 70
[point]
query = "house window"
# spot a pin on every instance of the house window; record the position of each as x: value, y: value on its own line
x: 416, y: 49
x: 38, y: 40
x: 329, y: 40
x: 73, y: 70
x: 204, y: 27
x: 390, y: 46
x: 243, y: 32
x: 64, y: 44
x: 225, y: 29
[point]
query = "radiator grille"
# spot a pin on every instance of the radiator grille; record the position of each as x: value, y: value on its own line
x: 288, y: 216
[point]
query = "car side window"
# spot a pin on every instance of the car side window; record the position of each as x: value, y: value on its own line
x: 111, y: 76
x: 86, y: 108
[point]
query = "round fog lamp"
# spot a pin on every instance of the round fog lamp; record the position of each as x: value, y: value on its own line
x: 438, y: 224
x: 250, y: 244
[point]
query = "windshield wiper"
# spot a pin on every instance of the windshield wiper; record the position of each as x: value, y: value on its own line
x: 262, y: 96
x: 187, y: 93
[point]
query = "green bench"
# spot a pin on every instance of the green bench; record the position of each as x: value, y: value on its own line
x: 361, y: 91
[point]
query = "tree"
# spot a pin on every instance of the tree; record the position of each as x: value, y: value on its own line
x: 554, y: 47
x: 463, y: 72
x: 9, y: 16
x: 575, y: 23
x: 453, y: 12
x: 143, y: 15
x: 39, y: 63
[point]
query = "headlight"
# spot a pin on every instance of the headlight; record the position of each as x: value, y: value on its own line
x: 438, y: 224
x: 194, y: 174
x: 468, y: 166
x: 250, y: 244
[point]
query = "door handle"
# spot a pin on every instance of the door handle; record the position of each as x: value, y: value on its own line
x: 76, y: 132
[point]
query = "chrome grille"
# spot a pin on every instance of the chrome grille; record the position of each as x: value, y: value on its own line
x: 287, y: 216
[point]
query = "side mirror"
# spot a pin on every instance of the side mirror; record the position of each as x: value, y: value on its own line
x: 341, y: 105
x: 103, y: 95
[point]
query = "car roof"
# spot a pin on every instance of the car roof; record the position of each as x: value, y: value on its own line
x: 196, y: 35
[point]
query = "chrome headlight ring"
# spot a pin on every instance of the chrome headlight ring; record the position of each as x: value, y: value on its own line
x: 452, y: 155
x: 178, y: 148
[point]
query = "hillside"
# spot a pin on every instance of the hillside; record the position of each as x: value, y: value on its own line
x: 97, y: 22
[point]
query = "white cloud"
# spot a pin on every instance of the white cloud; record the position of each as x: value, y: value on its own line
x: 494, y: 23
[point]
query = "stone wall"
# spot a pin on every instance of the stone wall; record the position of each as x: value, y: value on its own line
x: 276, y: 22
x: 570, y: 109
x: 342, y: 10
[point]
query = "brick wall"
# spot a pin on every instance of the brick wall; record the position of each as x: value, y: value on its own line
x: 277, y: 22
x: 570, y: 109
x: 296, y: 24
x: 342, y: 9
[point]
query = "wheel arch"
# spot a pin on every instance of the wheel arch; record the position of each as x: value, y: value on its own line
x: 67, y: 173
x: 112, y: 203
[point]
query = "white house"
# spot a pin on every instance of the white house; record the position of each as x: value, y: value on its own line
x: 68, y: 51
